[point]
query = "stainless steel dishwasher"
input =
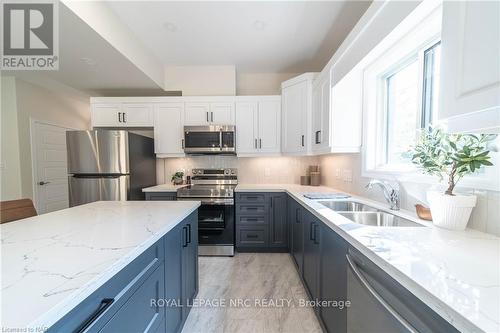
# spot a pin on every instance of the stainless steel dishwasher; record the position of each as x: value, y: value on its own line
x: 379, y: 304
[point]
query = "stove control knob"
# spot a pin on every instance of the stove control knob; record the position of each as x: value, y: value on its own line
x: 226, y: 172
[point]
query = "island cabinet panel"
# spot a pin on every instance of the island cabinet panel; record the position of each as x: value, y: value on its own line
x: 181, y: 271
x: 161, y: 196
x: 166, y: 271
x: 138, y: 315
x: 261, y: 223
x: 131, y: 283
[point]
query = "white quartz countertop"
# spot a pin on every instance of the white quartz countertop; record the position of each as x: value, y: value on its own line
x: 52, y: 262
x: 456, y: 273
x: 163, y: 188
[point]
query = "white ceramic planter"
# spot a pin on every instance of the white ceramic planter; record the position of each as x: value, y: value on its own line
x: 450, y: 211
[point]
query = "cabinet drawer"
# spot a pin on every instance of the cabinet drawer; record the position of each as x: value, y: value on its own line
x: 97, y: 309
x: 251, y: 197
x: 254, y: 209
x: 137, y: 314
x: 252, y: 220
x: 252, y: 236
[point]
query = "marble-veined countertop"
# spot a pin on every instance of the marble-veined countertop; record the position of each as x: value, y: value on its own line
x: 456, y: 273
x: 52, y: 262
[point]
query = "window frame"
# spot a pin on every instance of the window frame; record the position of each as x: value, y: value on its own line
x: 410, y: 45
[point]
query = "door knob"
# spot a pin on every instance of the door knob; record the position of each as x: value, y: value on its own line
x: 43, y: 183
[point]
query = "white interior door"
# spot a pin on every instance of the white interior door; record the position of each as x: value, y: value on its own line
x: 49, y: 167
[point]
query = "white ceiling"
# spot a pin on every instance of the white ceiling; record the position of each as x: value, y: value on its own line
x: 258, y: 37
x: 90, y: 64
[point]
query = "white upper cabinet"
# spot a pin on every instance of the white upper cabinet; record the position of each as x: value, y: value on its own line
x: 470, y: 67
x: 270, y: 125
x: 222, y: 113
x: 197, y: 114
x: 296, y: 96
x: 209, y: 113
x: 258, y: 124
x: 247, y: 128
x: 169, y: 129
x: 122, y: 115
x: 321, y: 114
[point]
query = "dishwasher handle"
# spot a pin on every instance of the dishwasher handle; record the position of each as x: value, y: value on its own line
x: 378, y: 297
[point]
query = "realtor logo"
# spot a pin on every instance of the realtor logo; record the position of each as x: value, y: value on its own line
x: 29, y: 35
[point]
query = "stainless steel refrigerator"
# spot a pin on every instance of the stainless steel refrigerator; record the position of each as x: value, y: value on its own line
x: 109, y: 165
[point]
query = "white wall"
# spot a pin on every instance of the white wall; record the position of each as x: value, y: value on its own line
x: 10, y: 168
x: 54, y: 104
x: 485, y: 217
x: 261, y: 83
x: 201, y: 80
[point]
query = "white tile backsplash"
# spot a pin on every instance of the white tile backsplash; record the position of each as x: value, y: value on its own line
x: 255, y: 170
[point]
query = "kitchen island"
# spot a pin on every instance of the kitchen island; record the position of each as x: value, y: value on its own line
x: 84, y: 266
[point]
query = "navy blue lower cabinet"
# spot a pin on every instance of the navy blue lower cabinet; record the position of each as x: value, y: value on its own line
x: 278, y: 226
x: 190, y: 262
x: 296, y: 227
x: 139, y: 314
x: 161, y: 196
x: 174, y: 243
x: 312, y: 254
x: 181, y: 272
x: 261, y: 222
x: 333, y: 280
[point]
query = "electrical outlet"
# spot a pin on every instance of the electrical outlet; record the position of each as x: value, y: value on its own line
x: 337, y: 173
x: 347, y: 175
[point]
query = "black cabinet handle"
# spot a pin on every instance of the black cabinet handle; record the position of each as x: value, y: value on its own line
x: 249, y: 219
x: 251, y: 208
x: 252, y: 236
x: 317, y: 135
x: 310, y: 231
x: 105, y: 303
x: 119, y: 117
x: 207, y: 117
x: 315, y: 227
x: 260, y: 143
x: 211, y: 116
x: 182, y: 143
x: 189, y: 234
x: 297, y: 211
x: 124, y: 119
x: 302, y: 140
x: 184, y: 241
x: 256, y: 146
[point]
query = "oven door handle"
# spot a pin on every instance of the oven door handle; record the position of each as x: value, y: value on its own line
x: 225, y: 202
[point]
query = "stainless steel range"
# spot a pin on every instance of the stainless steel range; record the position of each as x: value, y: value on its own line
x: 215, y: 189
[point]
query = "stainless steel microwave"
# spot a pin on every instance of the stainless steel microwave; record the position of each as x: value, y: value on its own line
x: 213, y: 139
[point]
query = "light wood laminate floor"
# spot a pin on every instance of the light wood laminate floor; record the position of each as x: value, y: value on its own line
x: 251, y: 277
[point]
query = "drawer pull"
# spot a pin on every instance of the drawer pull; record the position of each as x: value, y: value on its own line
x: 252, y: 236
x: 105, y: 303
x: 251, y: 208
x: 251, y: 219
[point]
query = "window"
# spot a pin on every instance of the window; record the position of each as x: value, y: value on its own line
x: 404, y: 112
x: 400, y: 92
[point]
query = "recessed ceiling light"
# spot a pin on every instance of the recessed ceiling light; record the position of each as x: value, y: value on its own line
x: 88, y: 61
x: 259, y: 25
x: 170, y: 26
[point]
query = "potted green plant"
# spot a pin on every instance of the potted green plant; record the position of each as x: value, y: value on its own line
x: 451, y: 156
x: 178, y: 178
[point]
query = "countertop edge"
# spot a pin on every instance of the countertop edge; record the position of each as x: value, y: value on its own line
x: 74, y: 299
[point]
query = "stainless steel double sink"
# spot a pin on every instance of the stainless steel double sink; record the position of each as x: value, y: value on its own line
x: 368, y: 215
